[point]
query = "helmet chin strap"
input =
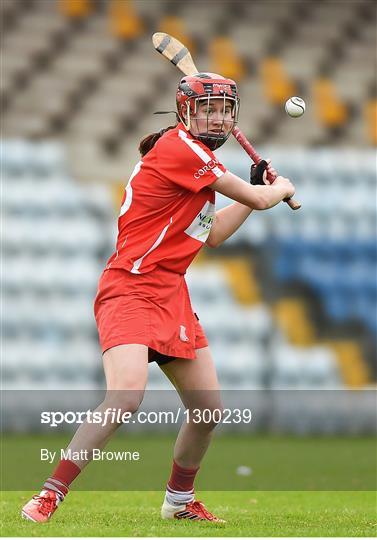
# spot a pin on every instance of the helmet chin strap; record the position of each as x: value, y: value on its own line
x: 212, y: 142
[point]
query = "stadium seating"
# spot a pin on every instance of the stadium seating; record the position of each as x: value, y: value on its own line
x: 125, y: 22
x: 330, y: 110
x: 329, y: 246
x: 370, y: 112
x: 175, y: 26
x: 55, y: 236
x: 75, y: 8
x: 98, y: 87
x: 277, y: 85
x: 225, y: 59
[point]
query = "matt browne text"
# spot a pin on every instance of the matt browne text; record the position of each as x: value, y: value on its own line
x: 85, y: 455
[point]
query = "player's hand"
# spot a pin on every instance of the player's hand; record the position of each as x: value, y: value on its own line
x: 260, y: 172
x: 270, y: 171
x: 288, y: 189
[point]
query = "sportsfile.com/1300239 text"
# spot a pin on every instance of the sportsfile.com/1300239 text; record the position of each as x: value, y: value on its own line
x: 118, y: 416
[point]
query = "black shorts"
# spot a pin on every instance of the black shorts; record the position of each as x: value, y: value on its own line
x: 159, y: 358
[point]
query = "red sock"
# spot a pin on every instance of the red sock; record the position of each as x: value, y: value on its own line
x: 62, y: 477
x: 182, y: 479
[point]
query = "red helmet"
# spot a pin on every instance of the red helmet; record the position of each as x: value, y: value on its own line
x: 195, y: 88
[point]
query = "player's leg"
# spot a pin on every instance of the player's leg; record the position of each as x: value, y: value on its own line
x: 197, y: 384
x: 126, y: 371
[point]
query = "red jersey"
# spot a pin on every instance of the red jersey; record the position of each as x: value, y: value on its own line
x: 167, y: 209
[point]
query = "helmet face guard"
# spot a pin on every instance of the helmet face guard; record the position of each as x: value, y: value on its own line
x: 201, y: 89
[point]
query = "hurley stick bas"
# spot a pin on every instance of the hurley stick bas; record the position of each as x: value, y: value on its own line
x: 180, y: 57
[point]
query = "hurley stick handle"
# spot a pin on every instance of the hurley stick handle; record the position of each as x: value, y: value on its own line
x: 250, y: 150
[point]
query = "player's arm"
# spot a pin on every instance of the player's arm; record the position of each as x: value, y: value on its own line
x: 229, y: 219
x: 226, y: 222
x: 255, y: 197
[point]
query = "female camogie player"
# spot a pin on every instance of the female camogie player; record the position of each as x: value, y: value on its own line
x: 142, y: 308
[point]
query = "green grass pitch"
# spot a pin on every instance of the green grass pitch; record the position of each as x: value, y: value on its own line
x: 247, y: 513
x: 302, y: 471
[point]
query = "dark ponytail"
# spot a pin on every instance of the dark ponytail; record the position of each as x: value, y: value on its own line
x: 149, y: 141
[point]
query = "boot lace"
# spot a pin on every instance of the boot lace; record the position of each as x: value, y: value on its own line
x: 46, y: 504
x: 199, y: 507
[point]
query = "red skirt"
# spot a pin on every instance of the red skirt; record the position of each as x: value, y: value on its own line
x: 151, y: 309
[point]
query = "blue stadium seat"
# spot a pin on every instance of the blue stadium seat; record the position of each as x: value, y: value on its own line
x: 337, y: 304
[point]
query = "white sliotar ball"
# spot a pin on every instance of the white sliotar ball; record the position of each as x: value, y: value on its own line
x: 243, y: 470
x: 295, y: 107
